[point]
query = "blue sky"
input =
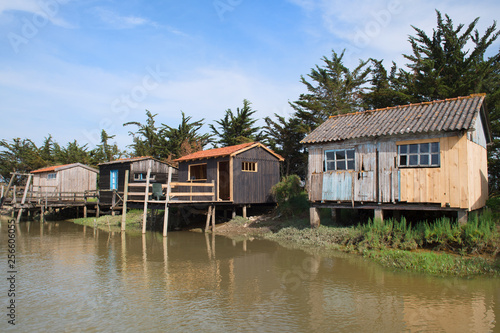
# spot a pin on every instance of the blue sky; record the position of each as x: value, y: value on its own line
x: 73, y: 67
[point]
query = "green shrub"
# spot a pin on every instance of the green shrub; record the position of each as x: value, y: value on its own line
x: 290, y: 196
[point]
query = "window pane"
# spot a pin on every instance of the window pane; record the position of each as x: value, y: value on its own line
x: 414, y: 149
x: 340, y: 154
x: 403, y: 149
x: 413, y: 160
x: 403, y: 160
x: 340, y: 165
x: 350, y: 154
x: 350, y: 165
x: 435, y: 147
x: 424, y: 159
x: 435, y: 159
x: 424, y: 147
x: 330, y: 166
x: 330, y: 155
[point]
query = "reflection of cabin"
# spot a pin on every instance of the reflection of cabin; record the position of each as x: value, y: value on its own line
x: 242, y: 174
x: 112, y: 175
x: 64, y: 181
x: 420, y: 156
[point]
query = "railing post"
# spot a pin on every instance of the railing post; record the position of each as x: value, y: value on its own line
x: 146, y: 198
x: 125, y: 198
x: 167, y: 198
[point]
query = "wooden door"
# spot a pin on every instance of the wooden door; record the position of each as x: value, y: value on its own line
x: 223, y: 180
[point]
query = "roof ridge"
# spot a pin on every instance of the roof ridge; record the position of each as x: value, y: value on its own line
x: 409, y: 105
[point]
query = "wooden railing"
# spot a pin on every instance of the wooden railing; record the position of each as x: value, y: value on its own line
x: 190, y: 193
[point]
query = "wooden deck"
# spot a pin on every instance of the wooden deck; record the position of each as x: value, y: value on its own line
x: 29, y: 197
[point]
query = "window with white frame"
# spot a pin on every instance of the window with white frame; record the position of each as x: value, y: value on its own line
x: 339, y: 159
x: 419, y: 155
x: 138, y: 176
x: 52, y: 176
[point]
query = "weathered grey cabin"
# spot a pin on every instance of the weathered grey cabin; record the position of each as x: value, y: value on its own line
x: 112, y: 176
x: 426, y: 156
x: 241, y: 174
x: 64, y: 181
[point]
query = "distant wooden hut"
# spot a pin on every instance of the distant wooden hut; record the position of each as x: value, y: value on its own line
x: 430, y: 155
x: 64, y: 181
x: 241, y: 174
x: 112, y: 175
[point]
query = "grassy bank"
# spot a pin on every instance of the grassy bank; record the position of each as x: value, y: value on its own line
x: 113, y: 223
x: 438, y: 248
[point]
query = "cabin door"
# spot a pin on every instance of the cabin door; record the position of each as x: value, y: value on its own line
x: 113, y: 179
x: 223, y: 180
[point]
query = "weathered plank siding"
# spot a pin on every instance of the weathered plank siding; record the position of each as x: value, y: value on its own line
x: 255, y: 187
x: 73, y: 179
x: 158, y: 169
x: 244, y: 187
x: 459, y: 125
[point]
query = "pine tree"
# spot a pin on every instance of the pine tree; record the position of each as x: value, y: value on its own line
x: 237, y: 128
x: 334, y: 90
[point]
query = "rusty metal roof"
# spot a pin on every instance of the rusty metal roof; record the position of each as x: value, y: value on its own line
x: 452, y: 114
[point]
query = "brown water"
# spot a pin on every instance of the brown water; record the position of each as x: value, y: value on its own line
x: 71, y: 278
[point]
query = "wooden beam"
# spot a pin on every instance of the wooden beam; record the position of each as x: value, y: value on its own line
x: 314, y: 217
x: 165, y: 216
x: 213, y: 219
x: 209, y: 215
x: 2, y: 199
x: 175, y: 184
x: 192, y: 194
x: 125, y: 198
x: 145, y: 212
x: 378, y: 214
x: 24, y: 198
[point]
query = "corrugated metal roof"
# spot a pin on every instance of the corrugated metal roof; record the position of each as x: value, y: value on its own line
x: 225, y: 151
x: 452, y: 114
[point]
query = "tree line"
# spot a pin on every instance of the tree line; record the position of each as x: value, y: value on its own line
x: 450, y: 62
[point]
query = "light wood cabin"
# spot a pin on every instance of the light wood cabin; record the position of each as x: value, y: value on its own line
x: 429, y: 155
x: 64, y: 181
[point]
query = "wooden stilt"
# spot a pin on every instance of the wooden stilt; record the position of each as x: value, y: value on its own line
x: 125, y: 198
x: 146, y: 198
x: 24, y: 198
x: 167, y: 199
x: 113, y: 203
x: 378, y: 214
x: 2, y: 199
x: 462, y: 216
x: 85, y: 210
x: 209, y: 216
x: 244, y: 213
x: 314, y: 217
x: 42, y: 213
x: 97, y: 208
x: 233, y: 213
x: 213, y: 219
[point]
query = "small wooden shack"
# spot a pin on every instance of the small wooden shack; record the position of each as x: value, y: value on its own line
x: 426, y: 156
x: 241, y: 174
x: 64, y: 181
x: 112, y: 176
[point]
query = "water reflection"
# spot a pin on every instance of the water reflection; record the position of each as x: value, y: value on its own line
x: 79, y: 278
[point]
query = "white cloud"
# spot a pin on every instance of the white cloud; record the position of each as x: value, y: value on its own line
x: 118, y: 21
x: 49, y: 10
